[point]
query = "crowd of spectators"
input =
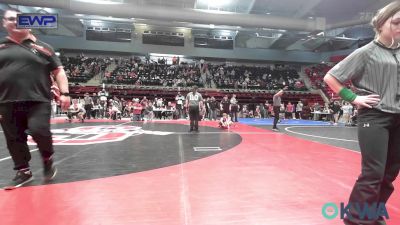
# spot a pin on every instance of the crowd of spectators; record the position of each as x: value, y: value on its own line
x: 316, y: 74
x: 133, y: 71
x: 255, y: 77
x: 101, y: 105
x: 81, y: 69
x: 157, y: 73
x: 181, y: 74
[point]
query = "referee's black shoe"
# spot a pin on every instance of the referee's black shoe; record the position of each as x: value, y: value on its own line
x: 49, y: 170
x: 22, y: 177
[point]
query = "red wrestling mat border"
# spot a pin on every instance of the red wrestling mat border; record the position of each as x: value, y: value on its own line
x: 270, y: 178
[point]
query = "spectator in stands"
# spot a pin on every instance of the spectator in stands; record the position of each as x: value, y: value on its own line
x: 209, y: 80
x: 245, y: 83
x: 147, y: 58
x: 205, y: 75
x: 174, y: 60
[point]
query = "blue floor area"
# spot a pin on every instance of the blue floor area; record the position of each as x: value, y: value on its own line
x: 269, y: 121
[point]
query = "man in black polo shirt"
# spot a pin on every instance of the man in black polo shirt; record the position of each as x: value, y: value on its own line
x: 335, y: 108
x: 26, y: 65
x: 225, y: 103
x: 234, y: 108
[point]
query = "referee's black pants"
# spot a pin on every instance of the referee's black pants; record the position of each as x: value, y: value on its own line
x: 19, y: 118
x: 88, y: 109
x: 277, y: 110
x: 194, y: 115
x: 234, y: 113
x: 379, y: 140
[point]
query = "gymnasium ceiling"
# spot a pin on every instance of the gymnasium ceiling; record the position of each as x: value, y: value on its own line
x: 306, y: 25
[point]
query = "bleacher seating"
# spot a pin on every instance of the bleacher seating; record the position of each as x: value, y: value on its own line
x: 316, y: 74
x: 80, y: 69
x: 128, y: 71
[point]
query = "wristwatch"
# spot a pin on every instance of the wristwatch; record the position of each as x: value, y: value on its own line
x: 64, y: 93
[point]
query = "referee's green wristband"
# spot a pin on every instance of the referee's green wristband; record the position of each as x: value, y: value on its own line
x: 347, y: 94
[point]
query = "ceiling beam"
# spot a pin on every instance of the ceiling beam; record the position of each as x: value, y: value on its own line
x: 348, y: 23
x: 250, y: 6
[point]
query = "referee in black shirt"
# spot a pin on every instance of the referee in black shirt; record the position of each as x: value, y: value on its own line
x: 194, y: 102
x: 26, y: 65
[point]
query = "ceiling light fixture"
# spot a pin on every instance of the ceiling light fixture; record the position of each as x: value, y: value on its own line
x: 214, y: 3
x: 102, y: 2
